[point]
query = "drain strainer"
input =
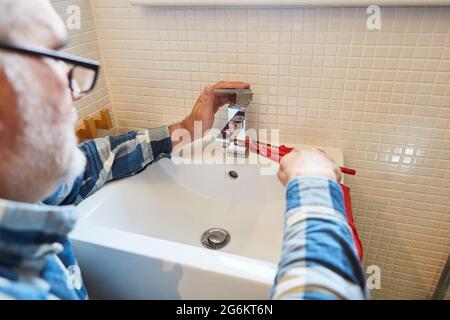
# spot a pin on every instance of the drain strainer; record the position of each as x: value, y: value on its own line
x: 233, y: 175
x: 215, y: 238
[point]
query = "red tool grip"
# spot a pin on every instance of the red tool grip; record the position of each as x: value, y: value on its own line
x: 276, y: 153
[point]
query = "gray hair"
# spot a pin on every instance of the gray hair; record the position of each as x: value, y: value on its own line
x: 27, y: 22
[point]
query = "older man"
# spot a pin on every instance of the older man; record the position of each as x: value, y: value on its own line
x: 43, y: 172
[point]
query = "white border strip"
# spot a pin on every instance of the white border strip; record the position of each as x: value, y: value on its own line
x: 316, y: 3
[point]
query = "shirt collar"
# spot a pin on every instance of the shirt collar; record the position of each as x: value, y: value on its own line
x: 31, y: 232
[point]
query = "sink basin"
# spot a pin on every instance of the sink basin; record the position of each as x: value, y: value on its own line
x: 140, y: 237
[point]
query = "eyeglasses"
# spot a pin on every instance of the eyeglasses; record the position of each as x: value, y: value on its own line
x: 83, y: 73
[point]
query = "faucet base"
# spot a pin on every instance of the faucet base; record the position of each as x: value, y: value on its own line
x: 237, y: 151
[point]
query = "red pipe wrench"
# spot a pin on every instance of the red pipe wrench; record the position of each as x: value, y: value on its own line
x: 277, y: 152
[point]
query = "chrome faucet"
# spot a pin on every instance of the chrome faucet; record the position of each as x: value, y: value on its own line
x: 234, y: 130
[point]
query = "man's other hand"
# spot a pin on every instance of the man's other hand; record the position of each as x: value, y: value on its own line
x: 207, y: 105
x: 307, y: 162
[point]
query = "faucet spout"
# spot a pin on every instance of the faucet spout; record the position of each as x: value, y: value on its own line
x: 243, y: 97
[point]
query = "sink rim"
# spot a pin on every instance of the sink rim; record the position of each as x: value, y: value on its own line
x: 172, y: 252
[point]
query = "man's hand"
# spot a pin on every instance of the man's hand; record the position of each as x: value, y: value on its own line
x: 308, y: 163
x: 207, y: 105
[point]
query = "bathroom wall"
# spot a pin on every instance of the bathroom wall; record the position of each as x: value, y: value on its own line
x: 322, y: 78
x: 83, y: 42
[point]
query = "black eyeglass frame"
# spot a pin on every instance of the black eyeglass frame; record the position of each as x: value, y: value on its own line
x: 58, y: 55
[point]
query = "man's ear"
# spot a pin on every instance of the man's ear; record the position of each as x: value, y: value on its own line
x: 5, y: 93
x: 2, y: 85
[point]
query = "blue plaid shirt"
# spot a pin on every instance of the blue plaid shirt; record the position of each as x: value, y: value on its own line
x: 319, y: 259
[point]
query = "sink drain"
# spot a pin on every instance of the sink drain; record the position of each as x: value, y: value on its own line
x: 233, y: 175
x: 215, y: 238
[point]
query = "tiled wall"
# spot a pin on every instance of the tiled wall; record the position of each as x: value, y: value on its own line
x: 322, y: 78
x: 83, y: 42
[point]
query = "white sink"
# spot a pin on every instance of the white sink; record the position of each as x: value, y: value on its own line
x: 139, y: 238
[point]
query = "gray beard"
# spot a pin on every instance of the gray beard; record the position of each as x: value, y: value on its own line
x: 77, y: 166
